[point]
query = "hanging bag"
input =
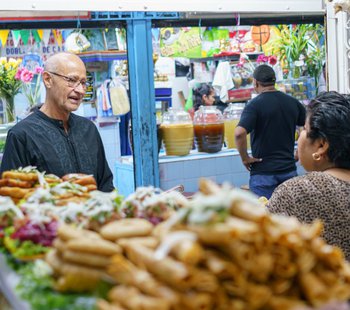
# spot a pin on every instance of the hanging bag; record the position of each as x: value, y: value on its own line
x: 119, y: 98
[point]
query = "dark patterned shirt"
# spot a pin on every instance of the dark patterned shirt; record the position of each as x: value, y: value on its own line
x: 42, y: 142
x: 317, y: 195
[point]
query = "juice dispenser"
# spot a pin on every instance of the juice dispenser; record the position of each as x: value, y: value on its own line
x: 177, y: 132
x: 208, y: 129
x: 232, y: 115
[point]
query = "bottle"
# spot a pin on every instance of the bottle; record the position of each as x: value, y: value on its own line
x: 232, y: 115
x: 208, y: 129
x: 177, y: 132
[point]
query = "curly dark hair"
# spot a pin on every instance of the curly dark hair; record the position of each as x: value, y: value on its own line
x: 199, y: 92
x: 329, y: 119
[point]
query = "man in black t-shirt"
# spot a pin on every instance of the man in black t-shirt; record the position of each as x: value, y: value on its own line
x: 271, y: 119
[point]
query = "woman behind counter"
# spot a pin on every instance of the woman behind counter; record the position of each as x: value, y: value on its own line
x: 324, y: 151
x: 204, y: 94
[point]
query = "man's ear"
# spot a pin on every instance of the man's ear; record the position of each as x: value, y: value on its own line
x: 47, y: 79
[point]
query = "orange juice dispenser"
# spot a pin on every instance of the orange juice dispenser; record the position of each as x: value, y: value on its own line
x: 208, y: 129
x: 232, y: 115
x: 177, y: 132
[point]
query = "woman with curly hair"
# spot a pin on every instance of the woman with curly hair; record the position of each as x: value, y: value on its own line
x: 324, y: 151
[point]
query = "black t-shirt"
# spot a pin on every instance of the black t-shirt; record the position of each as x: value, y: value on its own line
x: 271, y: 119
x: 42, y: 142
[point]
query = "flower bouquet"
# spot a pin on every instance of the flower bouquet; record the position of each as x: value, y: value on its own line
x: 269, y: 60
x: 30, y: 83
x: 9, y: 85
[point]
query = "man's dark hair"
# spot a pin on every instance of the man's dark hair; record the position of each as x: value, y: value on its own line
x: 329, y: 119
x: 264, y: 75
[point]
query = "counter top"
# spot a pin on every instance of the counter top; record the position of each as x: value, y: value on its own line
x: 194, y: 155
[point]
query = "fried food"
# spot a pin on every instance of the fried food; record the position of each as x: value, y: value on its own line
x: 86, y: 258
x: 80, y: 178
x: 15, y: 192
x: 68, y: 232
x: 65, y: 201
x: 94, y: 246
x: 16, y: 183
x: 126, y: 228
x: 133, y: 299
x: 104, y: 305
x: 20, y: 175
x: 77, y: 281
x: 51, y: 178
x: 79, y: 270
x: 148, y: 242
x: 91, y: 187
x: 59, y: 245
x: 54, y: 260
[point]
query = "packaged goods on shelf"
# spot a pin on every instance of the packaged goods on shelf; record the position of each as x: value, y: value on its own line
x: 303, y: 88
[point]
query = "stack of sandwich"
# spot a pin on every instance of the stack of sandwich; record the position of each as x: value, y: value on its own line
x: 79, y: 258
x: 20, y: 184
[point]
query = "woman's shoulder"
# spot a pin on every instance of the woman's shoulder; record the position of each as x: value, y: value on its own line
x: 313, y: 184
x: 313, y: 177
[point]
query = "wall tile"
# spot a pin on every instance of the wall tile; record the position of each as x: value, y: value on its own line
x: 173, y: 171
x: 223, y: 165
x: 208, y: 167
x: 192, y: 169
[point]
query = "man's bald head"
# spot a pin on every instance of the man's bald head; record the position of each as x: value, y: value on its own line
x: 59, y: 60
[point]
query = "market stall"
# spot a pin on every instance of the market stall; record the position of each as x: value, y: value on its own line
x: 113, y: 252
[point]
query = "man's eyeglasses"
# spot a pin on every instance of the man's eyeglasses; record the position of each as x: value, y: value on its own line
x: 71, y: 82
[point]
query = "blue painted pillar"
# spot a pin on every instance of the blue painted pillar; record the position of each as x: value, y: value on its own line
x: 144, y: 133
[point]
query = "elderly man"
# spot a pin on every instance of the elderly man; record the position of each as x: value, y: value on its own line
x: 52, y: 138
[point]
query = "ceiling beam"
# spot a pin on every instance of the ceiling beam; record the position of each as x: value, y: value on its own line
x: 237, y: 6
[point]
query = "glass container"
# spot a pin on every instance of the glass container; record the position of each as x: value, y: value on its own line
x: 232, y: 115
x: 177, y: 132
x: 208, y: 129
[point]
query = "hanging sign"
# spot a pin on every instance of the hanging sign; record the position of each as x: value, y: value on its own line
x: 15, y: 47
x: 180, y: 42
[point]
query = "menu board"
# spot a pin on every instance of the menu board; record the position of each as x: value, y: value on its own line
x: 90, y: 92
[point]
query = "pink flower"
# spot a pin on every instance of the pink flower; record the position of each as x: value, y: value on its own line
x: 262, y: 59
x: 18, y: 73
x: 240, y: 64
x: 272, y: 60
x: 26, y: 76
x: 38, y: 70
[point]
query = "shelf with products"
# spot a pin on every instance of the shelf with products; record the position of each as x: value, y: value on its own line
x: 241, y: 72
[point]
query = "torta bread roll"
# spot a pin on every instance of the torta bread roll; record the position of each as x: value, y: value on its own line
x: 94, y: 246
x: 126, y: 228
x: 86, y: 258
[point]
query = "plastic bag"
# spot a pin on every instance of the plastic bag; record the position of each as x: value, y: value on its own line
x: 119, y: 98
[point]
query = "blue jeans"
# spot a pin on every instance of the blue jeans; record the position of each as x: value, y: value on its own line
x: 264, y: 185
